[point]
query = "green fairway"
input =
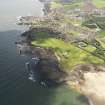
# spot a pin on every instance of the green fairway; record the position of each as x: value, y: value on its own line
x: 99, y: 3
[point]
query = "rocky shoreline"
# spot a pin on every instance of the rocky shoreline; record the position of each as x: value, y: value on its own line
x: 48, y: 65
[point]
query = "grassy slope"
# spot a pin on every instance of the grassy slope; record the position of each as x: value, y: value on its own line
x: 68, y: 6
x: 102, y: 33
x: 99, y: 3
x: 79, y: 3
x: 74, y: 5
x: 68, y: 53
x: 56, y: 5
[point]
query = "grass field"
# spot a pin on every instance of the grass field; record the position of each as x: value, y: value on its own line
x: 56, y: 5
x: 79, y: 3
x: 99, y: 3
x: 74, y: 5
x: 69, y: 54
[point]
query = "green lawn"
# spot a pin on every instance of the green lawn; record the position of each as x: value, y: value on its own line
x: 99, y: 3
x: 55, y: 5
x: 67, y: 6
x: 73, y: 5
x: 79, y: 3
x: 101, y: 34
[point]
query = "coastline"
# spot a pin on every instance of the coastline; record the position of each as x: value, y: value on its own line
x: 81, y: 77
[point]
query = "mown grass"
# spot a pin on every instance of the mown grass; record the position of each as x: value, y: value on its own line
x: 99, y: 3
x: 69, y: 54
x: 79, y: 4
x: 55, y: 5
x: 66, y: 6
x: 101, y: 34
x: 73, y: 5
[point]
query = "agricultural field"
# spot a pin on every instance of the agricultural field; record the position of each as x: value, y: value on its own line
x: 99, y: 3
